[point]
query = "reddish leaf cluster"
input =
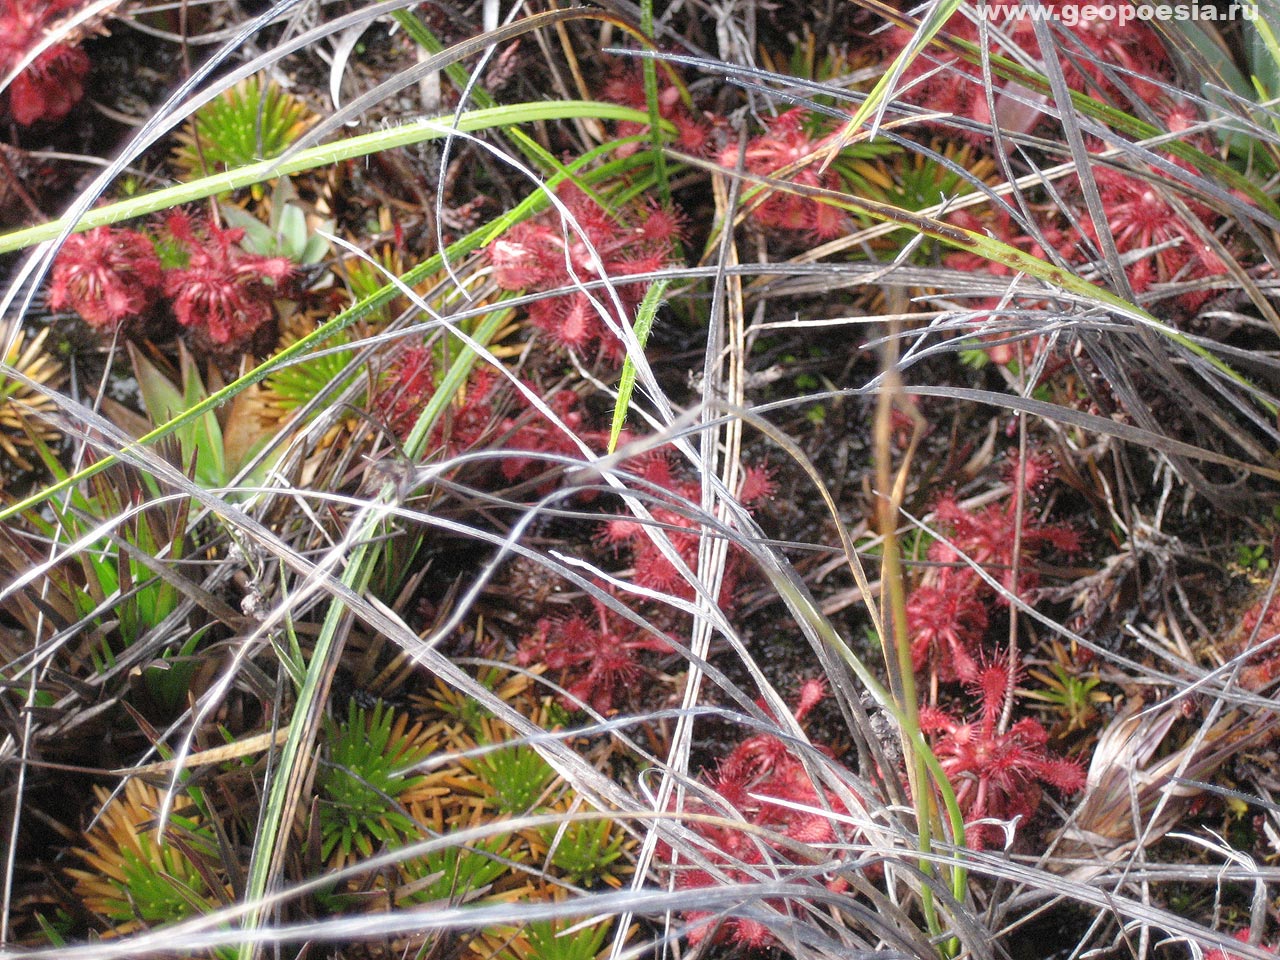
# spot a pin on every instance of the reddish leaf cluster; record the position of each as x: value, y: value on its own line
x: 947, y: 612
x: 657, y: 473
x: 533, y: 432
x: 593, y: 656
x: 987, y: 536
x: 626, y: 86
x: 486, y: 407
x: 944, y: 82
x: 411, y: 381
x: 789, y: 141
x: 110, y: 276
x: 555, y: 256
x: 406, y: 387
x: 54, y: 82
x: 106, y: 275
x: 223, y: 292
x: 759, y: 782
x: 1260, y: 625
x: 996, y: 773
x: 997, y: 770
x: 1140, y: 218
x: 946, y: 620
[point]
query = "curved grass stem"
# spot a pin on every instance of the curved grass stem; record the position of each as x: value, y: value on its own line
x: 323, y: 155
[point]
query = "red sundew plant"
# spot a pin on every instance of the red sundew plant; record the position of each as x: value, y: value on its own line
x: 1033, y: 474
x: 546, y: 254
x: 947, y: 613
x: 996, y: 773
x: 50, y: 86
x: 762, y: 782
x: 987, y: 536
x: 652, y: 568
x: 223, y: 292
x: 942, y: 81
x: 487, y: 406
x: 1139, y: 218
x: 788, y: 142
x: 107, y: 276
x: 1261, y: 622
x: 594, y: 656
x: 54, y: 82
x: 946, y: 621
x: 534, y: 433
x: 626, y: 86
x: 411, y: 381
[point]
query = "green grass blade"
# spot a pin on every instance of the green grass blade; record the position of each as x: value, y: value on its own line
x: 324, y: 155
x: 627, y: 382
x: 649, y: 68
x: 942, y: 12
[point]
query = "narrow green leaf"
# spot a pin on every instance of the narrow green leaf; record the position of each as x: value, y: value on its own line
x: 1264, y: 50
x: 160, y: 397
x: 649, y: 67
x: 941, y: 12
x: 205, y: 434
x: 323, y: 155
x: 626, y: 384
